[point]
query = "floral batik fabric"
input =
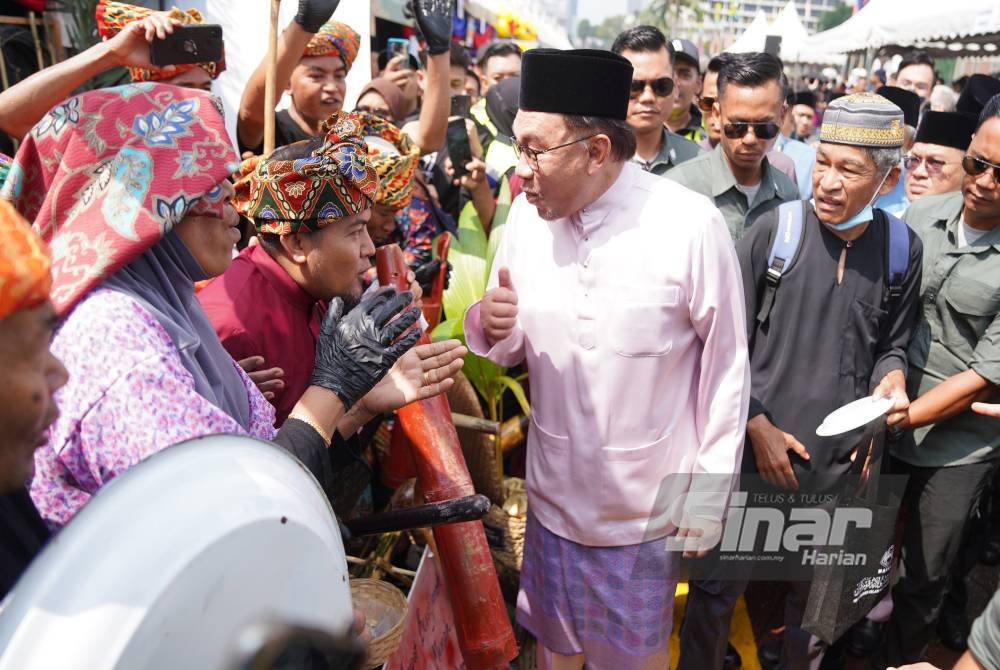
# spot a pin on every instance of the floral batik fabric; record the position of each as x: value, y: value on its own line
x: 112, y: 17
x: 105, y: 175
x: 395, y: 158
x: 335, y: 38
x: 329, y: 178
x: 128, y: 397
x: 25, y: 276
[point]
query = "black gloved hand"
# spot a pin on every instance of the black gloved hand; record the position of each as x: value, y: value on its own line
x: 434, y: 20
x: 313, y: 14
x: 427, y: 273
x: 355, y: 351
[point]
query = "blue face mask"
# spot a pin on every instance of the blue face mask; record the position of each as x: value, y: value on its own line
x: 866, y: 214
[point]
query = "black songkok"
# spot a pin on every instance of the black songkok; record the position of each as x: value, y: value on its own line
x: 947, y: 129
x: 579, y: 82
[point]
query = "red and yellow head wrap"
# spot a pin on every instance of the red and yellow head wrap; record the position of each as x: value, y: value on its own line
x: 113, y: 16
x: 395, y: 158
x: 309, y: 184
x: 25, y: 266
x: 335, y: 38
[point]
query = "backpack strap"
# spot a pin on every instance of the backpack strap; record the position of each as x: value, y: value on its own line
x: 899, y: 254
x: 785, y: 247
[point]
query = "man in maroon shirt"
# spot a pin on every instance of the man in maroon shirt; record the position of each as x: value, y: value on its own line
x: 309, y: 203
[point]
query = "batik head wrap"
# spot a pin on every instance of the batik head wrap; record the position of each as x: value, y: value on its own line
x: 105, y: 175
x: 25, y: 268
x: 309, y: 184
x: 113, y: 16
x: 335, y: 38
x: 394, y: 157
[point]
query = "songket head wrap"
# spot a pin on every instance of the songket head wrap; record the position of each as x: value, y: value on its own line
x: 863, y: 120
x: 395, y: 158
x: 335, y: 38
x: 309, y: 184
x: 105, y: 175
x: 113, y: 16
x: 25, y: 267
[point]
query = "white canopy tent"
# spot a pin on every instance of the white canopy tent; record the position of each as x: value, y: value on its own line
x: 753, y: 37
x: 953, y: 28
x: 794, y: 38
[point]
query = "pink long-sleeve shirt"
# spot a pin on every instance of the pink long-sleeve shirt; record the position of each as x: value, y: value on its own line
x: 631, y: 321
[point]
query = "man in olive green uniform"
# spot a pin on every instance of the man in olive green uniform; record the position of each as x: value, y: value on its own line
x: 651, y: 98
x: 737, y: 174
x: 954, y: 359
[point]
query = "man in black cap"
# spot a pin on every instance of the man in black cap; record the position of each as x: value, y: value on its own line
x: 804, y: 116
x: 620, y: 291
x: 651, y: 99
x: 895, y: 202
x: 685, y: 119
x: 934, y: 163
x: 737, y: 175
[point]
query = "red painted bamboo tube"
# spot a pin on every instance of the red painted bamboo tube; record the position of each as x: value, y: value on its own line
x: 484, y: 632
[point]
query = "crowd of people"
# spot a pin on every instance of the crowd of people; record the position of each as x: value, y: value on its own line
x: 704, y: 258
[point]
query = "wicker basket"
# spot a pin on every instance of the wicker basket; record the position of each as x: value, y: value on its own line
x: 479, y: 449
x: 385, y: 612
x: 504, y: 528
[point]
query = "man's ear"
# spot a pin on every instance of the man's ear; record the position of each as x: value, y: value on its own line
x: 890, y: 181
x: 600, y: 151
x: 295, y: 246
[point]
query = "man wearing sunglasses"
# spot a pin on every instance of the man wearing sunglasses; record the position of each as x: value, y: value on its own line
x: 651, y: 98
x: 620, y: 292
x: 834, y: 326
x: 934, y: 163
x: 737, y: 174
x: 949, y: 452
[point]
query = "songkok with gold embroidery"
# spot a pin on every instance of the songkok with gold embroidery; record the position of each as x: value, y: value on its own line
x: 863, y: 120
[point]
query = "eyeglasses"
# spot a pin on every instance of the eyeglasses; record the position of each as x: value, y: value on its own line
x: 533, y: 154
x: 932, y: 165
x: 762, y: 131
x: 705, y: 104
x: 381, y: 113
x: 976, y: 166
x: 662, y: 87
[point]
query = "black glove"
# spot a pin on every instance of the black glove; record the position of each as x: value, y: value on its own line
x: 355, y: 351
x: 434, y: 20
x: 427, y: 273
x: 313, y: 14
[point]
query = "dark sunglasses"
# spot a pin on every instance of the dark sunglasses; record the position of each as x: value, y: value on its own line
x: 976, y: 166
x: 762, y: 131
x: 662, y: 87
x: 706, y: 104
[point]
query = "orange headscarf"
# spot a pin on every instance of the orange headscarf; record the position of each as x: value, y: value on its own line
x: 25, y: 266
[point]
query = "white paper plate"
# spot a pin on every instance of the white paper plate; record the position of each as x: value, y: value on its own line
x: 854, y: 415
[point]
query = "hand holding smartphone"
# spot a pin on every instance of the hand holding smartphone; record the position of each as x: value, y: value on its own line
x: 457, y: 140
x: 188, y: 45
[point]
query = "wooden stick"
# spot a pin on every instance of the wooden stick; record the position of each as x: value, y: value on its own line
x: 38, y: 42
x: 270, y: 82
x: 56, y: 43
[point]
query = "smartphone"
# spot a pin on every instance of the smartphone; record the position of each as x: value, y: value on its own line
x: 459, y: 150
x: 460, y: 105
x: 188, y: 44
x: 398, y: 47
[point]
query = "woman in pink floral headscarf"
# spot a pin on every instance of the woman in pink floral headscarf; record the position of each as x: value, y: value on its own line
x: 129, y: 188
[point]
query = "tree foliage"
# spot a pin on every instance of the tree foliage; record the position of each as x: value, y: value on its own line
x: 834, y: 17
